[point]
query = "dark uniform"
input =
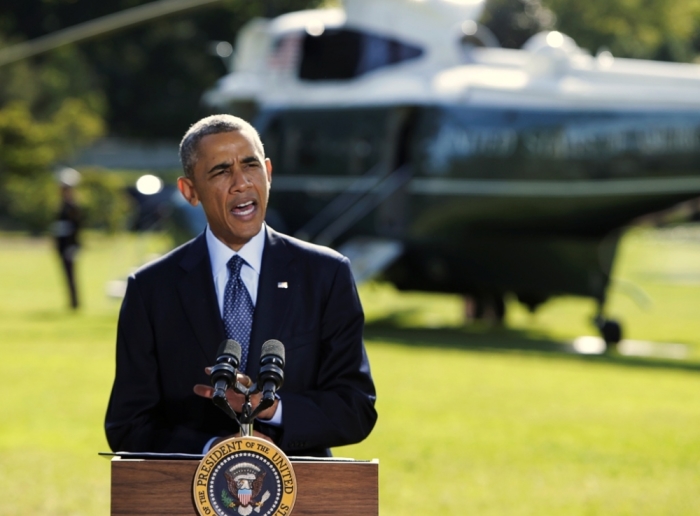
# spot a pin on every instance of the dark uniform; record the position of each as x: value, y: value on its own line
x: 66, y: 230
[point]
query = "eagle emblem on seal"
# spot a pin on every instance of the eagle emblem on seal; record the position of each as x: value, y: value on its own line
x: 244, y: 483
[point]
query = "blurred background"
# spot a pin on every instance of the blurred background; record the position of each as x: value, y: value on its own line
x: 486, y: 405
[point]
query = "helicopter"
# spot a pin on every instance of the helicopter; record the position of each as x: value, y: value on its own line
x: 405, y: 137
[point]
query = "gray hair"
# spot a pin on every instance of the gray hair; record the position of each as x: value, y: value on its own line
x: 213, y: 124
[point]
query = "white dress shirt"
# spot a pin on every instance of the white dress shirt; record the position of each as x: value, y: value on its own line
x: 220, y: 254
x: 251, y: 252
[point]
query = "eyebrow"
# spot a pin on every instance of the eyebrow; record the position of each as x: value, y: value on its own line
x: 220, y: 166
x: 226, y: 164
x: 250, y: 159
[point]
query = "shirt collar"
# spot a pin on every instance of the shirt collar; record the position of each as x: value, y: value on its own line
x: 220, y: 253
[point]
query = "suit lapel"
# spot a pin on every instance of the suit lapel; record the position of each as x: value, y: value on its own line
x: 198, y: 297
x: 274, y: 298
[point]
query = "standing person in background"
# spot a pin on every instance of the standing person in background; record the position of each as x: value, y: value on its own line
x: 66, y: 229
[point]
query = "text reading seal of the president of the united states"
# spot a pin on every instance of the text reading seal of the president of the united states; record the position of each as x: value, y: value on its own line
x: 245, y: 476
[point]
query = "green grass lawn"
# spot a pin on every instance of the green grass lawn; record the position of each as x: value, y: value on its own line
x: 473, y: 420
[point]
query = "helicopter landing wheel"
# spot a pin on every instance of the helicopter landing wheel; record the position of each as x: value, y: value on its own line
x: 490, y: 308
x: 611, y: 331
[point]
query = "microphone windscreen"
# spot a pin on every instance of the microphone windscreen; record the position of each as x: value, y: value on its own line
x: 230, y: 347
x: 272, y: 347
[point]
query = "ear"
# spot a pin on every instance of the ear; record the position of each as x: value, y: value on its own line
x: 186, y: 187
x: 268, y: 166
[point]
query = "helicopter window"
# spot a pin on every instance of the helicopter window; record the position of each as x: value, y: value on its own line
x: 344, y: 54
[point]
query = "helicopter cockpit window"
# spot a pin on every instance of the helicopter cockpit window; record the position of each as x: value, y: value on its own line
x: 339, y: 54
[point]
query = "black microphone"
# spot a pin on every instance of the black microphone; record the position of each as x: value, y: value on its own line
x: 223, y: 374
x: 271, y: 375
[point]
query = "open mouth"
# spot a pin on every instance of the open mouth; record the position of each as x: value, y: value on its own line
x: 244, y: 209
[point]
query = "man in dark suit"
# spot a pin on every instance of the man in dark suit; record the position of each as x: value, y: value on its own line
x: 171, y: 321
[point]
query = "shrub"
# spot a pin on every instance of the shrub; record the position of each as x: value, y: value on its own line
x: 104, y: 201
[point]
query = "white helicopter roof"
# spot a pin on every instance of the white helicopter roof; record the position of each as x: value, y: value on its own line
x: 549, y: 71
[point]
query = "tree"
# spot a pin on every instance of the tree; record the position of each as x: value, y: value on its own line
x: 30, y: 147
x: 513, y: 22
x: 648, y: 29
x: 46, y: 114
x: 153, y: 75
x: 644, y: 29
x: 146, y: 81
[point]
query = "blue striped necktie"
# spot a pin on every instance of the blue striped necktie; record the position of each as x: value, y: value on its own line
x: 238, y: 309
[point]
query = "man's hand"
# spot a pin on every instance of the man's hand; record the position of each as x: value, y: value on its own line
x: 236, y: 400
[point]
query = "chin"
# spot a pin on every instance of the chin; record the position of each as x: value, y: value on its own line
x: 246, y: 232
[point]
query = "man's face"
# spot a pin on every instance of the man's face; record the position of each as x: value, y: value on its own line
x: 232, y: 181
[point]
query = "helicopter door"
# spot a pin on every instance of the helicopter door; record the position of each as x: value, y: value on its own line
x: 392, y: 214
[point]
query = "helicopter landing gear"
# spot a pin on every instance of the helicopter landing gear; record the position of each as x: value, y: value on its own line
x: 610, y: 330
x: 490, y: 308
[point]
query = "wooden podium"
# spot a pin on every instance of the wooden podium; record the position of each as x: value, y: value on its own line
x: 325, y: 487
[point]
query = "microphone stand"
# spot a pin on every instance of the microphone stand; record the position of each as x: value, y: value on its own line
x: 246, y: 422
x: 248, y: 415
x: 224, y: 373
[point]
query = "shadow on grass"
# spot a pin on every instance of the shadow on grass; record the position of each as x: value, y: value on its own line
x: 481, y: 338
x: 60, y: 318
x: 59, y: 314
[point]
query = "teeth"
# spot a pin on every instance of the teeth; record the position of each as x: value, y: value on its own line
x: 244, y: 209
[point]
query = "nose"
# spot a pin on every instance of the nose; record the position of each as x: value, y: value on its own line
x: 239, y: 180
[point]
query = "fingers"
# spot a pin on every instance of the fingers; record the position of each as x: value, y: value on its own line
x: 235, y: 400
x: 244, y: 380
x: 241, y: 378
x: 269, y: 412
x: 203, y: 390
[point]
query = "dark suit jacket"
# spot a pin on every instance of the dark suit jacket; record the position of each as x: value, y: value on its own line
x: 170, y: 328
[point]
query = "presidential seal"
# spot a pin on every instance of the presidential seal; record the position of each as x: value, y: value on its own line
x: 244, y: 476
